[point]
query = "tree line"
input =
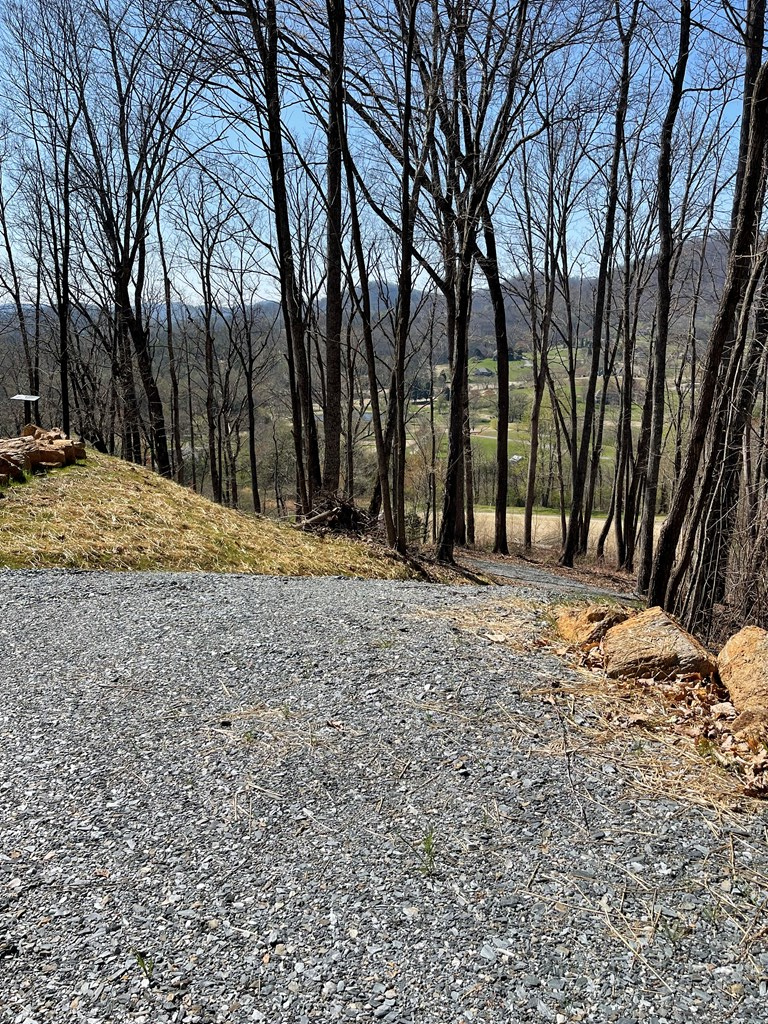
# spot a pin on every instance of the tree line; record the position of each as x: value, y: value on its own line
x: 238, y: 239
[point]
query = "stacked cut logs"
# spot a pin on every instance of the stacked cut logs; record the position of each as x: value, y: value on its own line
x: 37, y: 449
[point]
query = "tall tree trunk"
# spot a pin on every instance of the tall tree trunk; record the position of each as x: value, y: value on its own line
x: 737, y: 275
x: 212, y: 415
x: 664, y: 300
x: 580, y: 455
x: 469, y: 484
x: 408, y: 199
x: 447, y: 536
x: 138, y: 335
x: 490, y: 267
x: 252, y: 461
x: 123, y: 371
x: 172, y: 368
x: 609, y: 358
x: 190, y: 415
x: 349, y: 439
x: 266, y: 35
x: 336, y: 11
x: 64, y: 297
x: 382, y: 449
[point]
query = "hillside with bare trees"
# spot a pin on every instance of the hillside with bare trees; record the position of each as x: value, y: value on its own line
x: 433, y: 259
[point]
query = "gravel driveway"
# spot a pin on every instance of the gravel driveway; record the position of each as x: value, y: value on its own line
x: 255, y: 799
x: 517, y: 572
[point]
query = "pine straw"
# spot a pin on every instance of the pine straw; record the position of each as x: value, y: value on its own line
x: 660, y: 736
x: 109, y: 514
x: 640, y: 732
x: 510, y: 621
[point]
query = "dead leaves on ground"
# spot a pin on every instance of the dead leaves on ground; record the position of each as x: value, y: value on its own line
x: 688, y: 709
x: 695, y: 707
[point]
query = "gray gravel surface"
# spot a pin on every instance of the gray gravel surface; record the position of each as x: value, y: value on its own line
x: 255, y: 799
x: 531, y: 575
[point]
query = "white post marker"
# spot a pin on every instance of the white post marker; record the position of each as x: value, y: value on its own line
x: 27, y: 400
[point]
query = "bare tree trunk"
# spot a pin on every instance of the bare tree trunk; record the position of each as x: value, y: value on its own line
x: 190, y: 414
x: 252, y: 461
x: 581, y: 452
x: 609, y: 358
x: 735, y: 284
x: 172, y: 368
x: 349, y: 441
x: 469, y: 485
x: 382, y: 449
x: 433, y: 440
x: 123, y: 371
x: 212, y: 414
x: 266, y: 34
x: 336, y: 11
x: 408, y: 205
x: 490, y: 266
x: 63, y: 298
x: 453, y: 473
x: 664, y: 300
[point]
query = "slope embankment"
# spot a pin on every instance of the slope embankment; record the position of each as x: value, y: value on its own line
x: 104, y: 513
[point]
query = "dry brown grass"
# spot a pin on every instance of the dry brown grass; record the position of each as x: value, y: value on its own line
x: 654, y: 733
x: 546, y: 533
x: 109, y: 514
x: 641, y: 731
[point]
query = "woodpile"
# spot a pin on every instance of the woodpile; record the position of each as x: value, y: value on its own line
x: 37, y: 449
x: 336, y: 515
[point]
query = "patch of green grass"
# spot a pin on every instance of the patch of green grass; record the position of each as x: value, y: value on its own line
x: 383, y: 644
x: 145, y: 962
x: 428, y: 852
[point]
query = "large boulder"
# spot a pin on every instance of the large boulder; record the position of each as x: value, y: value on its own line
x: 586, y: 626
x: 743, y: 667
x: 653, y: 645
x: 751, y: 726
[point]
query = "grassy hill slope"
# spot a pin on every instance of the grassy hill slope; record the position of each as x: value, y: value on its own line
x: 109, y: 514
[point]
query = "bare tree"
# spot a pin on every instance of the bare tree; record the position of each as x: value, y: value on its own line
x: 626, y: 32
x: 664, y: 300
x: 663, y: 586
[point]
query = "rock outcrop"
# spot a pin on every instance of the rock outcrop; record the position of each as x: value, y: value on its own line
x: 37, y: 448
x: 743, y: 667
x: 586, y: 627
x: 653, y: 645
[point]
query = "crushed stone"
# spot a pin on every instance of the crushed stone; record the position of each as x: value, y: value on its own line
x: 235, y: 799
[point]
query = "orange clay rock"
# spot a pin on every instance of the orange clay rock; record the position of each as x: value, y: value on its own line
x: 653, y: 645
x: 586, y: 627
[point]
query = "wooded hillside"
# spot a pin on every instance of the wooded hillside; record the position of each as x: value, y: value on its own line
x: 425, y: 256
